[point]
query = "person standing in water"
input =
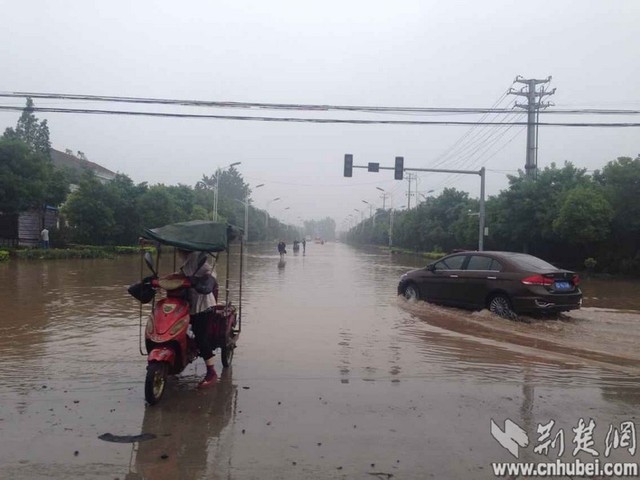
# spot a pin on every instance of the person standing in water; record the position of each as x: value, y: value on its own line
x: 202, y: 302
x: 44, y: 235
x: 282, y: 249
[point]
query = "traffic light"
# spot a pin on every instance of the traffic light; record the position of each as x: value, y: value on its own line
x: 399, y: 169
x: 348, y: 165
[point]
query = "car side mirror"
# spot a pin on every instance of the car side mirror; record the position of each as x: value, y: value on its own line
x: 431, y: 267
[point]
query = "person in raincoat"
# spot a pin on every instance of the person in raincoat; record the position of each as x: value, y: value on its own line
x: 282, y: 248
x: 202, y: 302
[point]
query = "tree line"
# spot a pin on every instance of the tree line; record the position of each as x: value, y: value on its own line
x: 116, y: 212
x: 565, y: 215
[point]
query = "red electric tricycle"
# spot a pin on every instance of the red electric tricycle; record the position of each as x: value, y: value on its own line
x: 169, y: 341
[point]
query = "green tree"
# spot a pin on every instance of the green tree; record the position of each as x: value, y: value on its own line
x: 122, y: 197
x: 33, y: 133
x: 442, y: 222
x: 89, y: 211
x: 324, y: 228
x: 27, y: 179
x: 232, y: 188
x: 584, y: 217
x: 621, y: 182
x: 157, y: 207
x: 522, y: 216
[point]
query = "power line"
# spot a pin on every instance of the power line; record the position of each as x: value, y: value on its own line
x: 468, y: 134
x: 312, y: 120
x: 304, y: 107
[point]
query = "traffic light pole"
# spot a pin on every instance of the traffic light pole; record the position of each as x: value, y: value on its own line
x: 482, y: 174
x: 398, y: 174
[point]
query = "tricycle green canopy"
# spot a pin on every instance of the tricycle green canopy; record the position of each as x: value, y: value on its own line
x: 198, y: 235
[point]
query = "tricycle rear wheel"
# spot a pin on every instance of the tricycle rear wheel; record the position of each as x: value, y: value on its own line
x: 226, y: 350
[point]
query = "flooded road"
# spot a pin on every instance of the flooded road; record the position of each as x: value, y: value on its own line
x: 334, y: 376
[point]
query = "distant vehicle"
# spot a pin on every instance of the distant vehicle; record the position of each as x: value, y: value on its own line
x: 507, y: 283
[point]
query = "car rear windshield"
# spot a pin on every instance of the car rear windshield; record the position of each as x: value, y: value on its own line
x: 529, y: 262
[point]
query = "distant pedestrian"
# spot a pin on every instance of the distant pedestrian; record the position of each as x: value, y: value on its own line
x: 282, y: 248
x: 304, y: 245
x: 44, y: 236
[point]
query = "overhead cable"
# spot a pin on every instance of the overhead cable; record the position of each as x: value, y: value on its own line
x: 302, y: 107
x: 311, y: 120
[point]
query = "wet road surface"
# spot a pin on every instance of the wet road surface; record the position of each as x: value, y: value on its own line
x: 334, y: 376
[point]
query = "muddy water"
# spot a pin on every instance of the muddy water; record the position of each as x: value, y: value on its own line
x: 334, y: 377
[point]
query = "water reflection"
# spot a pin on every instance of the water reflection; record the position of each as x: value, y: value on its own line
x: 191, y: 434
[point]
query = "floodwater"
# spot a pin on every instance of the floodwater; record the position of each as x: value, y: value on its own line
x: 334, y: 376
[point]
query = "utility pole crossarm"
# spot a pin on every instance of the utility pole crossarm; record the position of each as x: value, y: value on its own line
x: 518, y: 92
x: 535, y: 81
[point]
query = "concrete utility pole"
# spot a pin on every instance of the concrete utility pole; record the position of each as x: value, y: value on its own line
x: 410, y: 177
x: 534, y: 103
x: 384, y: 197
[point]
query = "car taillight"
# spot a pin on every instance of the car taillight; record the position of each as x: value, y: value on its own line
x: 576, y: 280
x: 537, y: 280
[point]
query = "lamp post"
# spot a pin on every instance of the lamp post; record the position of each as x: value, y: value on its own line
x: 424, y: 195
x: 215, y: 194
x: 391, y: 225
x: 384, y: 197
x: 370, y: 208
x: 246, y: 214
x: 266, y: 214
x: 284, y: 215
x: 361, y: 217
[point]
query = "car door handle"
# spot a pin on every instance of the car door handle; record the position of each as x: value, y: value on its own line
x: 453, y: 276
x: 492, y: 278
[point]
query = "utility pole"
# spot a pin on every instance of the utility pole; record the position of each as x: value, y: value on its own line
x: 409, y: 177
x: 534, y: 103
x: 384, y: 200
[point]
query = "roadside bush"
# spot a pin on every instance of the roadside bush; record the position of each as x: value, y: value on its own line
x: 590, y: 263
x: 62, y: 253
x: 4, y: 255
x: 77, y: 251
x: 630, y: 266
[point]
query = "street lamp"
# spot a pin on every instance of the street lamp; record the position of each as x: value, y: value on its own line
x: 427, y: 193
x: 246, y: 213
x: 370, y: 208
x: 266, y: 214
x: 215, y: 194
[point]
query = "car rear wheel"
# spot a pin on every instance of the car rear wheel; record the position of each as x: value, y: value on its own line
x: 501, y: 306
x: 411, y: 292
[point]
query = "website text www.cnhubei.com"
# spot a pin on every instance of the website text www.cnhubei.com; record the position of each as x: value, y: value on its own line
x: 576, y: 467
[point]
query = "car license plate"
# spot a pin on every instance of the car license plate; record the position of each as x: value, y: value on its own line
x: 562, y: 286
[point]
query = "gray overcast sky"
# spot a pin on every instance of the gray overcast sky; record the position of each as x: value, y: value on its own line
x: 395, y: 53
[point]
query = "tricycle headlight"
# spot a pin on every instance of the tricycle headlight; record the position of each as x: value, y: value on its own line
x: 178, y: 326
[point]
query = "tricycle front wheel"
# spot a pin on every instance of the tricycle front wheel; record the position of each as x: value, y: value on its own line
x: 155, y: 382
